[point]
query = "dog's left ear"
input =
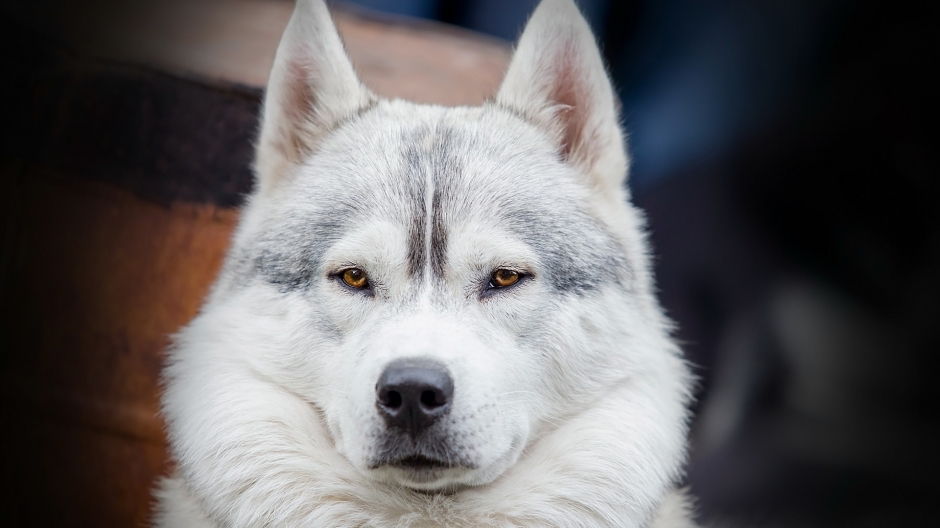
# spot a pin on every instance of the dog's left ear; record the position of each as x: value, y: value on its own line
x: 558, y: 81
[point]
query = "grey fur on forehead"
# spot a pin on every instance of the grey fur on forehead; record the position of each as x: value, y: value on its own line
x: 479, y: 164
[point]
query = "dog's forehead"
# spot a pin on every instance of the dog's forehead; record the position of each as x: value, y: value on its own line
x: 479, y: 149
x: 473, y: 163
x: 437, y: 172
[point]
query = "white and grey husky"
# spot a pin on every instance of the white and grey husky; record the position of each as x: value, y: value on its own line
x: 432, y: 316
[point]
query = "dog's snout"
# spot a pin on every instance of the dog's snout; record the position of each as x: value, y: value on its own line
x: 413, y: 393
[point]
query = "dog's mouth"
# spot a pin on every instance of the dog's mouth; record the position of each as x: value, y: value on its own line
x: 420, y: 463
x: 423, y: 473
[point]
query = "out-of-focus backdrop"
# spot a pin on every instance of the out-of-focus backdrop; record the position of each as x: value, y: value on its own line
x: 785, y: 152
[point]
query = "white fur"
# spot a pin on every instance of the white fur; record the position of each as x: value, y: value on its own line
x: 569, y: 408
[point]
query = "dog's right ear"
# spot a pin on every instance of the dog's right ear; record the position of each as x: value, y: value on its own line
x: 312, y: 88
x: 557, y: 80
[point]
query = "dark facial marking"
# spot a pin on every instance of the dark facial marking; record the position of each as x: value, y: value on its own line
x: 579, y: 255
x: 289, y: 255
x: 445, y: 169
x: 428, y: 152
x: 416, y: 183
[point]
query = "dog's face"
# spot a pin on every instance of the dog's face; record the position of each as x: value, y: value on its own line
x: 441, y: 286
x: 441, y: 258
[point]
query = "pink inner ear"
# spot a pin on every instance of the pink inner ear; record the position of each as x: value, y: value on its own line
x: 571, y: 93
x: 297, y: 104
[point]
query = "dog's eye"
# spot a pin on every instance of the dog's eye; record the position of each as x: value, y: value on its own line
x: 355, y: 278
x: 503, y: 278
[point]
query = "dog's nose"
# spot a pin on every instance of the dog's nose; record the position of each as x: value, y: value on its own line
x: 412, y: 393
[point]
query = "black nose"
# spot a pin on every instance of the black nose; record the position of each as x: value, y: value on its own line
x: 412, y: 393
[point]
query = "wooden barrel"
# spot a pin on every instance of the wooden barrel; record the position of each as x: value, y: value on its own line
x: 125, y: 156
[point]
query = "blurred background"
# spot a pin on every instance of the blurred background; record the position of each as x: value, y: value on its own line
x: 785, y: 152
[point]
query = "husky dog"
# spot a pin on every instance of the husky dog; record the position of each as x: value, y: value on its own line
x: 432, y: 316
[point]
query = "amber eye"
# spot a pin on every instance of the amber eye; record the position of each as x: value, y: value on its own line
x: 503, y: 278
x: 355, y: 278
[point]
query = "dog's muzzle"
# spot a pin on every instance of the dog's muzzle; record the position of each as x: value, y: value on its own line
x: 412, y: 395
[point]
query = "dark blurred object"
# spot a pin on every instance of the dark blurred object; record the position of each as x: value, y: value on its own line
x: 803, y: 265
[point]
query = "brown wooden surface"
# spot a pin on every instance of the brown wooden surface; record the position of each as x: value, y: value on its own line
x: 101, y: 278
x: 116, y: 215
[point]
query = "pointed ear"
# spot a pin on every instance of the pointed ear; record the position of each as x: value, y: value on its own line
x: 557, y: 80
x: 312, y: 88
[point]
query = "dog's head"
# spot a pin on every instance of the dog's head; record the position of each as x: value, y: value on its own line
x: 442, y: 285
